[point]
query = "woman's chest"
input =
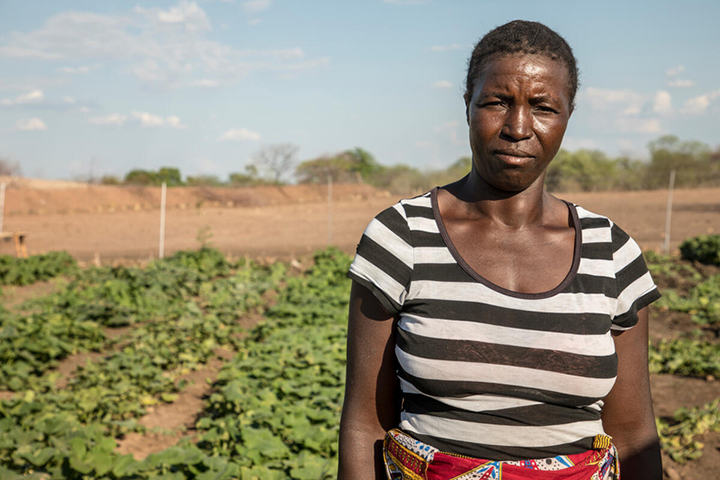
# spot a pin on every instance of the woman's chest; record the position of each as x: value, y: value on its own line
x: 526, y: 261
x: 455, y: 349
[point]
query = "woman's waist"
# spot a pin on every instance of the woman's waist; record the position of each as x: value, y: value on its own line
x: 498, y: 438
x: 407, y: 457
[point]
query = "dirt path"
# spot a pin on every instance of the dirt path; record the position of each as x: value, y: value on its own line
x: 285, y: 231
x: 13, y: 296
x: 168, y: 423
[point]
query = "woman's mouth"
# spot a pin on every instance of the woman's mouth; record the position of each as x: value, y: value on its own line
x: 513, y: 157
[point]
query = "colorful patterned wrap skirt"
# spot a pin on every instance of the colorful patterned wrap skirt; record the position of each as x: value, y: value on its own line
x: 409, y: 459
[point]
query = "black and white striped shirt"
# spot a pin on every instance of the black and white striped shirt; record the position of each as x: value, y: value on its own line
x: 490, y: 373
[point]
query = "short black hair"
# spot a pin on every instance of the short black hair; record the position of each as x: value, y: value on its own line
x: 520, y: 36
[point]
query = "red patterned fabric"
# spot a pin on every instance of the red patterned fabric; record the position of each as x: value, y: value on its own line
x: 410, y: 459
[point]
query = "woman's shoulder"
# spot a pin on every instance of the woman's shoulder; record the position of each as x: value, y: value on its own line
x: 601, y: 227
x: 424, y: 200
x: 402, y: 214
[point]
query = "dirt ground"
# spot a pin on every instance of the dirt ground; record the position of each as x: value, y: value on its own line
x: 287, y: 223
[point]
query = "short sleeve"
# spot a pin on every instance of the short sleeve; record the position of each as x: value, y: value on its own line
x: 635, y: 286
x: 384, y: 259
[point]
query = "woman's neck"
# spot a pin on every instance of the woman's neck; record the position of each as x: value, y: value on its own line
x: 512, y: 209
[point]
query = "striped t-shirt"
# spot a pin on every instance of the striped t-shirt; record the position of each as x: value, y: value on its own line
x: 491, y: 373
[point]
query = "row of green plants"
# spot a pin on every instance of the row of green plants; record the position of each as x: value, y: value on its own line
x: 703, y: 249
x: 699, y: 296
x: 24, y: 271
x: 70, y: 433
x: 679, y: 437
x: 684, y: 356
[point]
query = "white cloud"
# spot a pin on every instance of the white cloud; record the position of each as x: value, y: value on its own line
x: 116, y: 119
x: 629, y: 102
x: 699, y: 105
x: 204, y: 83
x: 253, y: 6
x: 681, y: 83
x: 254, y: 22
x: 25, y: 83
x: 79, y: 70
x: 30, y: 124
x: 424, y: 144
x: 186, y: 15
x: 145, y: 119
x: 674, y: 71
x: 239, y: 135
x: 445, y: 48
x: 68, y: 99
x: 442, y: 84
x: 635, y: 125
x: 174, y: 122
x: 35, y: 96
x: 148, y: 119
x: 166, y: 47
x: 662, y: 103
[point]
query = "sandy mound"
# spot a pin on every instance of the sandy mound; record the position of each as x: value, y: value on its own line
x: 22, y: 199
x: 19, y: 182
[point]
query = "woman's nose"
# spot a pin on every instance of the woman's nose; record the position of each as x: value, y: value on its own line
x: 518, y: 123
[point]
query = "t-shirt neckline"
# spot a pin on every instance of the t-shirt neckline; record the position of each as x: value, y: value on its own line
x: 577, y: 250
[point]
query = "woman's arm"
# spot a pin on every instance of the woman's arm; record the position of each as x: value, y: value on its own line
x: 371, y: 405
x: 628, y: 413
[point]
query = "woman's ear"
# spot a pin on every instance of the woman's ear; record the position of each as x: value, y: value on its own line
x: 466, y: 97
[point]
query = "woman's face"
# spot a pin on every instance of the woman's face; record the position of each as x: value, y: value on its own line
x: 517, y: 115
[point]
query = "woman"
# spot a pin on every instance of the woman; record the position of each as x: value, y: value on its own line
x: 496, y: 331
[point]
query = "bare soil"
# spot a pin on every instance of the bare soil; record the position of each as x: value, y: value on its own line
x: 292, y: 223
x: 14, y: 296
x: 168, y: 423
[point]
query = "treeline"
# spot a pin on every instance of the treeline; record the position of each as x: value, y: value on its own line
x: 696, y: 165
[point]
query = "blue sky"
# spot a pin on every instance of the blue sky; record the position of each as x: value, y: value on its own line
x: 203, y: 85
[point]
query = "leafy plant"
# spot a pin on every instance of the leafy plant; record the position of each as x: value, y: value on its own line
x: 24, y: 271
x: 678, y: 438
x: 704, y: 249
x: 703, y: 301
x: 685, y: 357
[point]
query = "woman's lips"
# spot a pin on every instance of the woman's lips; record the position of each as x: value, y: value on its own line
x: 514, y: 158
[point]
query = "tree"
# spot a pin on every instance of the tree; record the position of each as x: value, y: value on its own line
x: 338, y: 167
x: 276, y: 161
x: 170, y: 175
x: 690, y: 159
x: 581, y: 170
x: 363, y: 162
x: 109, y: 180
x: 204, y: 181
x: 250, y: 178
x: 141, y: 177
x: 8, y: 168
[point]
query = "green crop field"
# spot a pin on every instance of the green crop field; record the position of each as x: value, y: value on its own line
x: 273, y: 409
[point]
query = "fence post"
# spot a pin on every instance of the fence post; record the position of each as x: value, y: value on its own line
x: 163, y: 195
x: 329, y: 241
x: 2, y: 205
x: 668, y: 213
